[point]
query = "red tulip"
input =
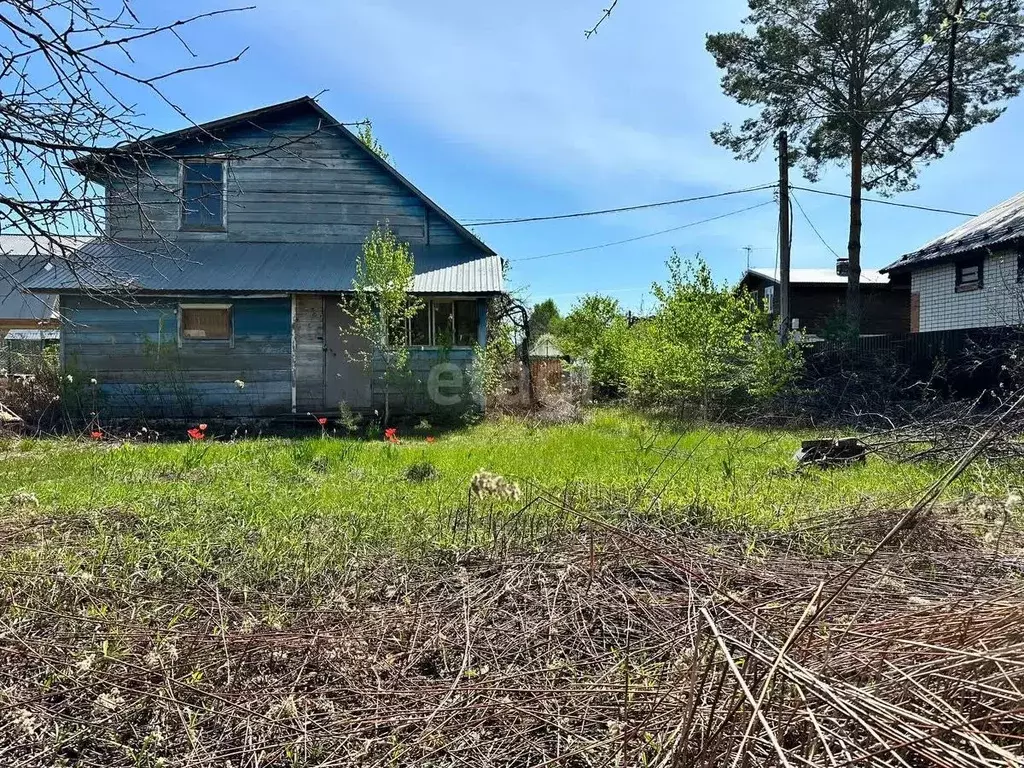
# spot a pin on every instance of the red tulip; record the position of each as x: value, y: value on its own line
x: 431, y: 440
x: 196, y: 434
x: 96, y: 434
x: 322, y: 421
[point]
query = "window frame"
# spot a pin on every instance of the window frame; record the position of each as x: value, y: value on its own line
x: 430, y: 303
x: 183, y: 339
x: 203, y: 160
x: 1020, y: 264
x: 975, y: 285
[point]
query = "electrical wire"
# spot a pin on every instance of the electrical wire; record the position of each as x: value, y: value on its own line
x: 885, y: 202
x: 625, y: 209
x: 814, y: 228
x: 647, y: 236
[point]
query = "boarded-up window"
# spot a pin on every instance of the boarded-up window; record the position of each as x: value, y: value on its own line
x: 206, y: 322
x: 970, y: 275
x: 202, y: 195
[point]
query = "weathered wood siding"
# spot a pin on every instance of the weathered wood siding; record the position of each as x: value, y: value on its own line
x: 439, y: 381
x: 294, y: 181
x: 140, y: 369
x: 309, y: 353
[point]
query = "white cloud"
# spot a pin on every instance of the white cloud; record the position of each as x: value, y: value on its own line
x: 519, y: 84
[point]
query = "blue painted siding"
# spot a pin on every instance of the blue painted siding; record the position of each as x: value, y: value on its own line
x: 141, y: 369
x: 290, y: 180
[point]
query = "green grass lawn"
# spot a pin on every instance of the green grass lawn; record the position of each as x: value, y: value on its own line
x: 267, y: 510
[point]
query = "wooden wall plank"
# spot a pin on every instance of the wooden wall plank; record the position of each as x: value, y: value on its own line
x: 298, y: 188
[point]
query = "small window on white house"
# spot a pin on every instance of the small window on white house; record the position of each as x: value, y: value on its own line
x: 970, y: 275
x: 202, y: 195
x: 206, y: 322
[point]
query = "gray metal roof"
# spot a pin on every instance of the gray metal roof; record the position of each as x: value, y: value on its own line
x: 1001, y: 225
x: 23, y: 258
x: 162, y: 267
x: 818, y: 276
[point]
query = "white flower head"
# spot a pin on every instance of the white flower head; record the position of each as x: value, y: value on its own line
x: 93, y: 382
x: 71, y: 379
x: 239, y: 383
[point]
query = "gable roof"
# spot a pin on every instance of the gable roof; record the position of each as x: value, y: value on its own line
x: 231, y: 267
x: 1000, y: 225
x: 817, y: 276
x: 166, y: 141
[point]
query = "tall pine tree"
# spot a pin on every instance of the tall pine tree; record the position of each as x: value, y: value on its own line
x: 879, y: 86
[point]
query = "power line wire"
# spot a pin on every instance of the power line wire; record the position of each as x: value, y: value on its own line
x: 886, y: 202
x: 624, y: 209
x: 647, y: 236
x: 811, y: 223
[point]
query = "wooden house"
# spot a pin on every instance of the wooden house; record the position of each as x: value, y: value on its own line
x: 818, y: 297
x: 227, y: 251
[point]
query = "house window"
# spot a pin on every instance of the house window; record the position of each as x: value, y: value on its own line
x: 206, y: 322
x: 970, y: 275
x: 1020, y: 266
x: 445, y: 323
x: 202, y: 195
x: 769, y: 298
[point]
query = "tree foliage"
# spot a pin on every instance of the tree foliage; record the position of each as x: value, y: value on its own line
x: 596, y: 330
x: 366, y: 135
x: 879, y: 86
x: 72, y: 76
x: 544, y: 318
x: 380, y: 306
x: 707, y: 346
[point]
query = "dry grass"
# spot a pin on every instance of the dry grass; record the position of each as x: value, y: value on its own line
x: 630, y: 646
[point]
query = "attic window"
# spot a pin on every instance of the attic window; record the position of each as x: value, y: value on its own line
x: 202, y: 195
x: 970, y: 275
x: 206, y: 322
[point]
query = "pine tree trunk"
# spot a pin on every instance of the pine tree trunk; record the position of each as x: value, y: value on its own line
x: 853, y: 303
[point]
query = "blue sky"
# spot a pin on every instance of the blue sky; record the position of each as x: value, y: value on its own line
x: 504, y: 110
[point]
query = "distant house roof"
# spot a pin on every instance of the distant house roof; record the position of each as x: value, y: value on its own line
x: 24, y: 334
x: 161, y: 267
x: 165, y: 143
x: 23, y: 259
x: 817, y: 276
x: 1001, y: 225
x: 545, y: 347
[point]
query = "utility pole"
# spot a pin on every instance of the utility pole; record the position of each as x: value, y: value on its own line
x: 748, y: 249
x: 785, y: 239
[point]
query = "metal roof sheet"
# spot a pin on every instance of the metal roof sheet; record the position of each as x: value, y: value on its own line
x: 819, y: 276
x: 1002, y: 224
x: 207, y: 266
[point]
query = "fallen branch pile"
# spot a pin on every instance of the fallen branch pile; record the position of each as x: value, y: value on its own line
x: 621, y: 647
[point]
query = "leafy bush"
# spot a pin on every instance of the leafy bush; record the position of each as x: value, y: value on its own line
x: 707, y: 346
x: 596, y: 330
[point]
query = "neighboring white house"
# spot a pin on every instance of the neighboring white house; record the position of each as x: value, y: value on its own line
x: 972, y: 276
